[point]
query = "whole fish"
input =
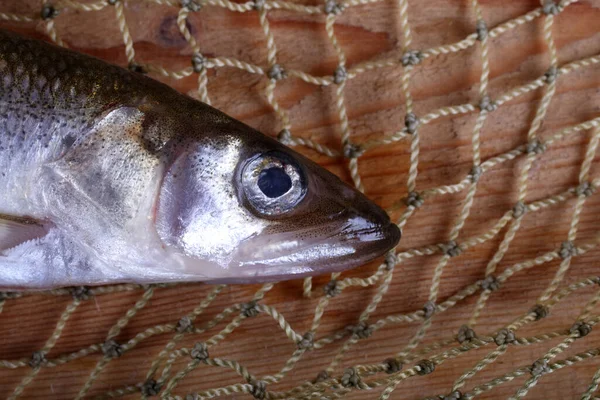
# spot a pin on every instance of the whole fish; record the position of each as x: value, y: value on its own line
x: 109, y: 176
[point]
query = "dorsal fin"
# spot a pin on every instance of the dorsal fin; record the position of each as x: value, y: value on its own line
x: 15, y: 230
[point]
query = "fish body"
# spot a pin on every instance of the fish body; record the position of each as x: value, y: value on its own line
x: 109, y: 176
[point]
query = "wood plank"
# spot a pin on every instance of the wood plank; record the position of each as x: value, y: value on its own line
x: 375, y: 105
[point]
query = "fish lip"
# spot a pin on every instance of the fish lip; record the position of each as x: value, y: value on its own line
x: 381, y: 238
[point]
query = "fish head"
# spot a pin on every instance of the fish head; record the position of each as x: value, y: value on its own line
x: 246, y: 208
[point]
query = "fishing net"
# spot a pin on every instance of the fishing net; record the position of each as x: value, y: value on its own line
x: 476, y: 127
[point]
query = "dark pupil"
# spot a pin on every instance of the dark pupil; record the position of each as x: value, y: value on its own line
x: 274, y: 182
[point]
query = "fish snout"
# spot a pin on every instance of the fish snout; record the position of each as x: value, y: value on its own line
x: 367, y: 228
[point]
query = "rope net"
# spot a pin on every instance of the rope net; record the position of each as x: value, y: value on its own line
x: 203, y: 338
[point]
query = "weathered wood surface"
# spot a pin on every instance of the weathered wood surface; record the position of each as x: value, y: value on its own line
x: 375, y: 105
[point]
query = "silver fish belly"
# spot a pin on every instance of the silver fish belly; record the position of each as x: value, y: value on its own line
x: 108, y: 176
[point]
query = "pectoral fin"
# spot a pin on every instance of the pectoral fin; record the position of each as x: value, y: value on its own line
x: 17, y: 230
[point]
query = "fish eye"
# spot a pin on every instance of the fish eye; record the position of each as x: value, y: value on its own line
x: 273, y: 183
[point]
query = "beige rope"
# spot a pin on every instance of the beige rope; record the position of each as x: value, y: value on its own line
x: 164, y: 377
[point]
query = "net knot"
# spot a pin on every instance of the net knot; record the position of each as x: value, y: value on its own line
x: 390, y: 260
x: 48, y: 12
x: 567, y: 250
x: 490, y: 283
x: 112, y: 2
x: 392, y: 365
x: 332, y: 7
x: 580, y: 329
x: 350, y: 378
x: 362, y: 330
x: 465, y: 334
x: 191, y: 5
x: 199, y: 352
x: 456, y: 395
x: 259, y: 4
x: 519, y: 209
x: 504, y: 336
x: 411, y: 57
x: 539, y: 311
x: 249, y: 309
x: 198, y: 62
x: 426, y: 367
x: 321, y: 376
x: 551, y: 8
x: 38, y: 358
x: 584, y: 189
x: 135, y: 67
x: 411, y: 121
x: 7, y: 295
x: 540, y: 367
x: 535, y: 146
x: 81, y: 293
x: 429, y: 309
x: 184, y: 325
x: 487, y: 104
x: 451, y: 249
x: 307, y: 342
x: 276, y: 72
x: 475, y: 173
x: 285, y: 136
x: 112, y: 349
x: 340, y: 74
x: 332, y: 288
x: 414, y: 199
x: 352, y: 150
x: 259, y: 389
x: 151, y: 388
x: 481, y: 29
x: 192, y: 396
x: 551, y: 74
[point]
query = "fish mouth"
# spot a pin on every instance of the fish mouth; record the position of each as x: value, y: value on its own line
x: 337, y: 246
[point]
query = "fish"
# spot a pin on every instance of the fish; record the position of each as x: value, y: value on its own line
x: 109, y: 176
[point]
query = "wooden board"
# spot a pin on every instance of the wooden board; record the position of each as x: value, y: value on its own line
x: 375, y: 105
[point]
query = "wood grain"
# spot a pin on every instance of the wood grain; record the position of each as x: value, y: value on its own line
x: 375, y: 105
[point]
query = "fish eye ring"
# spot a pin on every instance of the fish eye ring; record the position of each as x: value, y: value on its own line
x: 273, y: 183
